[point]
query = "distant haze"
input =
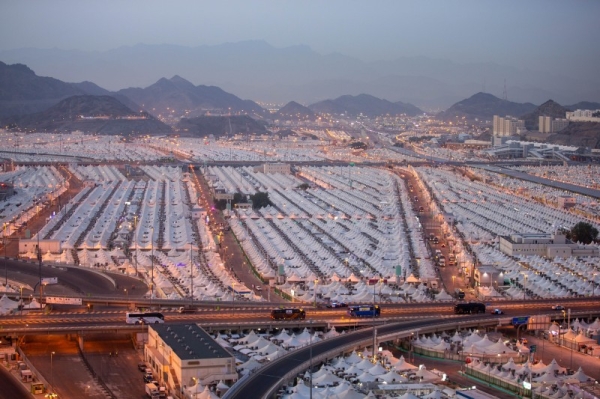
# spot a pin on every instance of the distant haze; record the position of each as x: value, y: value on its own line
x: 558, y: 39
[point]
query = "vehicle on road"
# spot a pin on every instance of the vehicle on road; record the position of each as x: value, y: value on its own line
x: 148, y: 378
x: 336, y: 304
x: 186, y: 309
x: 144, y: 318
x: 364, y: 311
x: 497, y: 311
x: 558, y: 307
x: 152, y: 390
x: 258, y: 288
x: 469, y: 307
x: 288, y: 314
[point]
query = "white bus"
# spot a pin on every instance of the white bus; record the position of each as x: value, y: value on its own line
x: 144, y: 318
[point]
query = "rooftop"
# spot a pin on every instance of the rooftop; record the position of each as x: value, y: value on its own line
x: 189, y: 341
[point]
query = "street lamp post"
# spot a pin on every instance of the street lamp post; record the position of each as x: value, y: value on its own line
x: 52, y: 371
x: 315, y: 288
x: 5, y: 267
x: 135, y: 242
x: 191, y: 274
x: 126, y: 293
x: 152, y: 267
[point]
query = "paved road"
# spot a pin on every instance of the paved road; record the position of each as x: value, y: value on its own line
x: 73, y: 280
x: 261, y: 382
x: 540, y: 180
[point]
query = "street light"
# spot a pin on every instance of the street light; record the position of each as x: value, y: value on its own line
x: 5, y: 267
x: 126, y: 293
x: 316, y: 282
x: 52, y: 370
x: 152, y: 268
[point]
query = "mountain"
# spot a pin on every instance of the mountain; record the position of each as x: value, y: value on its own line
x: 363, y: 104
x: 294, y: 111
x: 93, y: 114
x: 484, y: 106
x: 583, y: 105
x: 23, y: 92
x: 549, y: 108
x: 257, y: 70
x: 180, y: 98
x: 220, y: 126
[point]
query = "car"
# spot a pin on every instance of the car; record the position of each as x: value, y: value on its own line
x: 258, y: 288
x: 497, y: 311
x: 142, y: 366
x: 148, y: 378
x: 337, y: 305
x: 558, y: 307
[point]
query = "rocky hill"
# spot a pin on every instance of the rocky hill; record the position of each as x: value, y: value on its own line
x: 578, y: 134
x: 220, y: 126
x: 23, y: 92
x: 294, y: 111
x: 179, y: 97
x: 93, y: 114
x: 483, y: 106
x: 363, y: 104
x: 549, y: 108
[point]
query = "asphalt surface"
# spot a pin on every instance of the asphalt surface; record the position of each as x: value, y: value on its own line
x: 272, y: 373
x: 540, y: 180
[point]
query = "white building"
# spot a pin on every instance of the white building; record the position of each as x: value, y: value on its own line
x: 182, y: 355
x: 548, y: 245
x: 584, y: 115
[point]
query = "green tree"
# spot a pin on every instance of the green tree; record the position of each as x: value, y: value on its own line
x: 584, y: 232
x: 260, y: 200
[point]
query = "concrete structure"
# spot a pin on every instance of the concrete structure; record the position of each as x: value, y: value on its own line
x: 507, y: 126
x: 548, y: 245
x: 488, y: 275
x: 567, y: 201
x: 584, y: 115
x: 282, y: 168
x: 181, y: 355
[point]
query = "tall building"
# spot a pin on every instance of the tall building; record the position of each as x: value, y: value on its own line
x: 549, y: 125
x: 507, y: 126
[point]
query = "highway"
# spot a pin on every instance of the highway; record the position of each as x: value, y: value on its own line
x: 261, y: 316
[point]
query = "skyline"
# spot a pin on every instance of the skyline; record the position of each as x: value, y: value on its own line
x: 555, y: 37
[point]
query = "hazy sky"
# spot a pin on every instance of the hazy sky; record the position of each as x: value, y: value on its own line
x: 523, y: 33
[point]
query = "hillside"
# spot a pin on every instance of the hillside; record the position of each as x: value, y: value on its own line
x: 578, y: 134
x: 23, y: 92
x: 549, y: 108
x: 220, y: 126
x: 294, y: 111
x: 94, y: 114
x: 484, y: 106
x: 180, y: 98
x: 363, y: 104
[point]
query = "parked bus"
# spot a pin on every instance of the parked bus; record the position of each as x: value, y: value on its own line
x: 144, y: 318
x: 469, y: 307
x: 364, y: 311
x: 288, y: 314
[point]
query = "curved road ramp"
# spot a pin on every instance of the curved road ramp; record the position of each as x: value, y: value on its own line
x: 265, y: 382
